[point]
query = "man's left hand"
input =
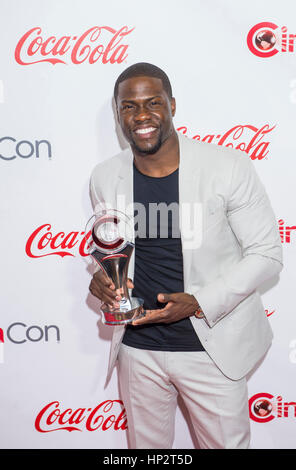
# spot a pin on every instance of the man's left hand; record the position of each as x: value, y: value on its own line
x: 179, y: 305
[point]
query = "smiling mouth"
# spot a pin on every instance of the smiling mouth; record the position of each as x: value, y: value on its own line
x: 145, y: 132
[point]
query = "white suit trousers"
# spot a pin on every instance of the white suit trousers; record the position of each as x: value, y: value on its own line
x: 149, y: 384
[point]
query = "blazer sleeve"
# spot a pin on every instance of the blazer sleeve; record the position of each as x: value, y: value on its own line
x: 97, y: 202
x: 253, y: 222
x: 96, y: 196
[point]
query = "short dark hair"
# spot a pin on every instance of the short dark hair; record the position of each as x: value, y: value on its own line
x: 143, y: 69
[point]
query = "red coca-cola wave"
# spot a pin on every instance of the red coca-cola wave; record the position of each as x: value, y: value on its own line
x: 97, y: 43
x: 42, y: 242
x: 252, y: 144
x: 106, y: 415
x: 268, y: 313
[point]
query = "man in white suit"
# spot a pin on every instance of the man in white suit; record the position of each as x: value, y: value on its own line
x: 205, y: 326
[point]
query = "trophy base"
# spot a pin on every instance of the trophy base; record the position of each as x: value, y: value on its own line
x: 117, y: 316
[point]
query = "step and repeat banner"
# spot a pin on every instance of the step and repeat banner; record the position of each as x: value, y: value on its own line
x: 233, y: 74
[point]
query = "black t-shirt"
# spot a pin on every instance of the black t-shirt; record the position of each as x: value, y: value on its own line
x: 158, y: 264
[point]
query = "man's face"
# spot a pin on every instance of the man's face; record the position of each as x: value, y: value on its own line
x: 145, y: 113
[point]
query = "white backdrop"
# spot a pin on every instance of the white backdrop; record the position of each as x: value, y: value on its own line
x: 57, y: 122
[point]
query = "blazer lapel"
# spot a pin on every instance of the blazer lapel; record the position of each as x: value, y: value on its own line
x: 189, y: 208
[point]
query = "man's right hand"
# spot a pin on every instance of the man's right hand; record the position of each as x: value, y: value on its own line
x: 103, y: 288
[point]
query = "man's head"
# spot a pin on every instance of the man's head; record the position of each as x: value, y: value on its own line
x: 145, y: 107
x: 143, y: 69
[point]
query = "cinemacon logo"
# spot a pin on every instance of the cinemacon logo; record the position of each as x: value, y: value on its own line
x: 1, y: 346
x: 98, y: 43
x: 19, y: 333
x: 264, y: 407
x: 11, y: 148
x: 267, y: 39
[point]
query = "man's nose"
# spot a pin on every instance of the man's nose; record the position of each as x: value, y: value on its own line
x: 142, y: 114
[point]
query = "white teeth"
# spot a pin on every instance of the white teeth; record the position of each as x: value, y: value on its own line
x: 145, y: 131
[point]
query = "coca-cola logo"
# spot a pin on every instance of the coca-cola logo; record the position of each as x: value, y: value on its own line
x: 43, y: 242
x: 1, y: 346
x: 107, y: 415
x: 266, y: 39
x: 245, y: 137
x: 98, y: 43
x: 264, y: 407
x: 268, y: 313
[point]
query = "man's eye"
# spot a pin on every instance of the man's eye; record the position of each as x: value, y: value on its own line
x: 127, y: 106
x: 155, y: 103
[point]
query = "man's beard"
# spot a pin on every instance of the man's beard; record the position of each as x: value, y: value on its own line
x: 151, y: 150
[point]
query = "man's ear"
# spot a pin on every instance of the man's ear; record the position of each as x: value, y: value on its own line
x: 173, y: 106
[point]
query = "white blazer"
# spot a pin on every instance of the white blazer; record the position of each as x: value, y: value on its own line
x: 235, y: 246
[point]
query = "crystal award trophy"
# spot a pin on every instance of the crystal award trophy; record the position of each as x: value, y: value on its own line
x: 111, y: 247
